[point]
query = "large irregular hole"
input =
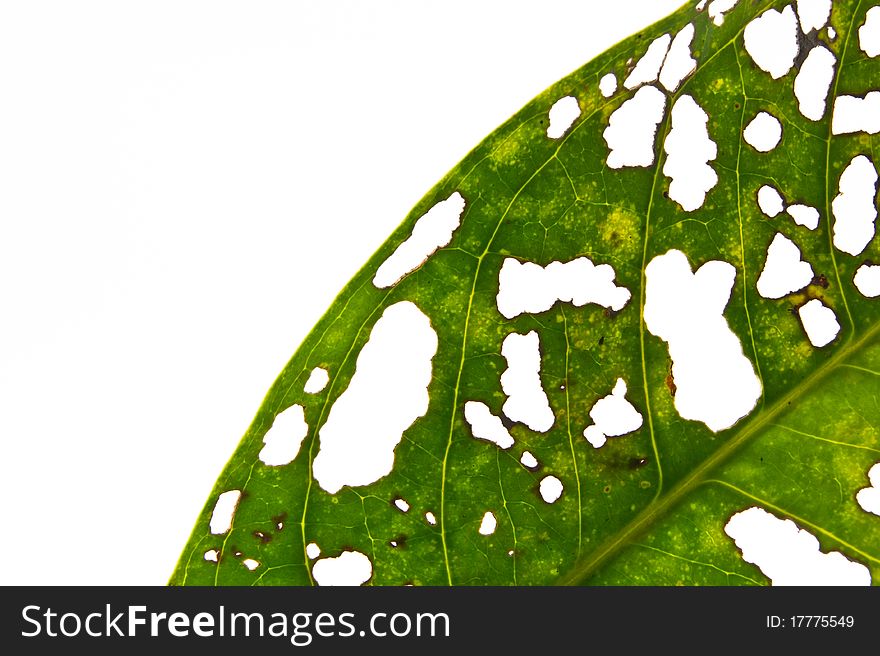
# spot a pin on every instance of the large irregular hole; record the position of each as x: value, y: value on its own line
x: 715, y: 382
x: 488, y: 524
x: 550, y: 489
x: 212, y: 555
x: 867, y: 280
x: 804, y: 215
x: 526, y: 287
x: 679, y: 63
x: 717, y: 9
x: 853, y: 208
x: 689, y: 149
x: 632, y: 128
x: 813, y: 81
x: 224, y: 511
x: 869, y: 497
x: 431, y: 231
x: 564, y: 112
x: 854, y: 114
x: 869, y: 33
x: 648, y: 67
x: 612, y: 416
x: 813, y: 14
x: 608, y: 85
x: 763, y: 132
x: 283, y: 439
x: 486, y: 426
x: 789, y: 555
x: 784, y: 271
x: 387, y: 393
x: 317, y: 381
x: 770, y: 201
x: 348, y: 568
x: 526, y: 399
x: 819, y: 321
x: 771, y: 40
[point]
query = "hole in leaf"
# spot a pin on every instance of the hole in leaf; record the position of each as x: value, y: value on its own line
x: 632, y: 128
x: 771, y: 40
x: 608, y: 85
x: 313, y: 550
x: 718, y: 8
x: 401, y: 504
x: 527, y: 401
x: 715, y: 382
x: 869, y: 497
x: 250, y: 563
x: 789, y: 555
x: 855, y: 114
x: 431, y: 231
x: 317, y: 381
x: 784, y: 271
x: 284, y: 438
x: 813, y: 82
x: 867, y: 280
x: 526, y: 287
x: 349, y: 568
x: 387, y: 393
x: 279, y: 521
x: 265, y: 538
x: 486, y: 426
x: 689, y: 149
x: 563, y: 114
x: 770, y: 201
x: 528, y: 460
x: 763, y: 132
x: 224, y: 511
x: 550, y: 488
x: 398, y: 543
x: 869, y: 33
x: 429, y: 517
x: 679, y: 63
x: 612, y: 415
x: 813, y: 14
x: 804, y: 215
x: 853, y: 207
x: 488, y: 524
x: 212, y: 555
x: 819, y: 321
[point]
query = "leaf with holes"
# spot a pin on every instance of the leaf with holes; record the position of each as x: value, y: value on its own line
x: 632, y: 338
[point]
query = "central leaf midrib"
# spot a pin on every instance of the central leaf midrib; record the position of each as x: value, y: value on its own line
x: 658, y: 508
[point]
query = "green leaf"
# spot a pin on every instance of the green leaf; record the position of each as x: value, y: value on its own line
x: 648, y: 507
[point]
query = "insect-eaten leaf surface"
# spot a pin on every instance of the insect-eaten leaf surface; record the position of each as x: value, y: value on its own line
x: 650, y: 507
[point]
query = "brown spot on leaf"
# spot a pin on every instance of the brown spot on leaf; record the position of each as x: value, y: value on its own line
x: 670, y: 384
x: 820, y: 281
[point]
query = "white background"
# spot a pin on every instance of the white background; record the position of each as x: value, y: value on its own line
x: 184, y: 187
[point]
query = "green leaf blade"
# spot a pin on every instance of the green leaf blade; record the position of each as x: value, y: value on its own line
x: 649, y: 507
